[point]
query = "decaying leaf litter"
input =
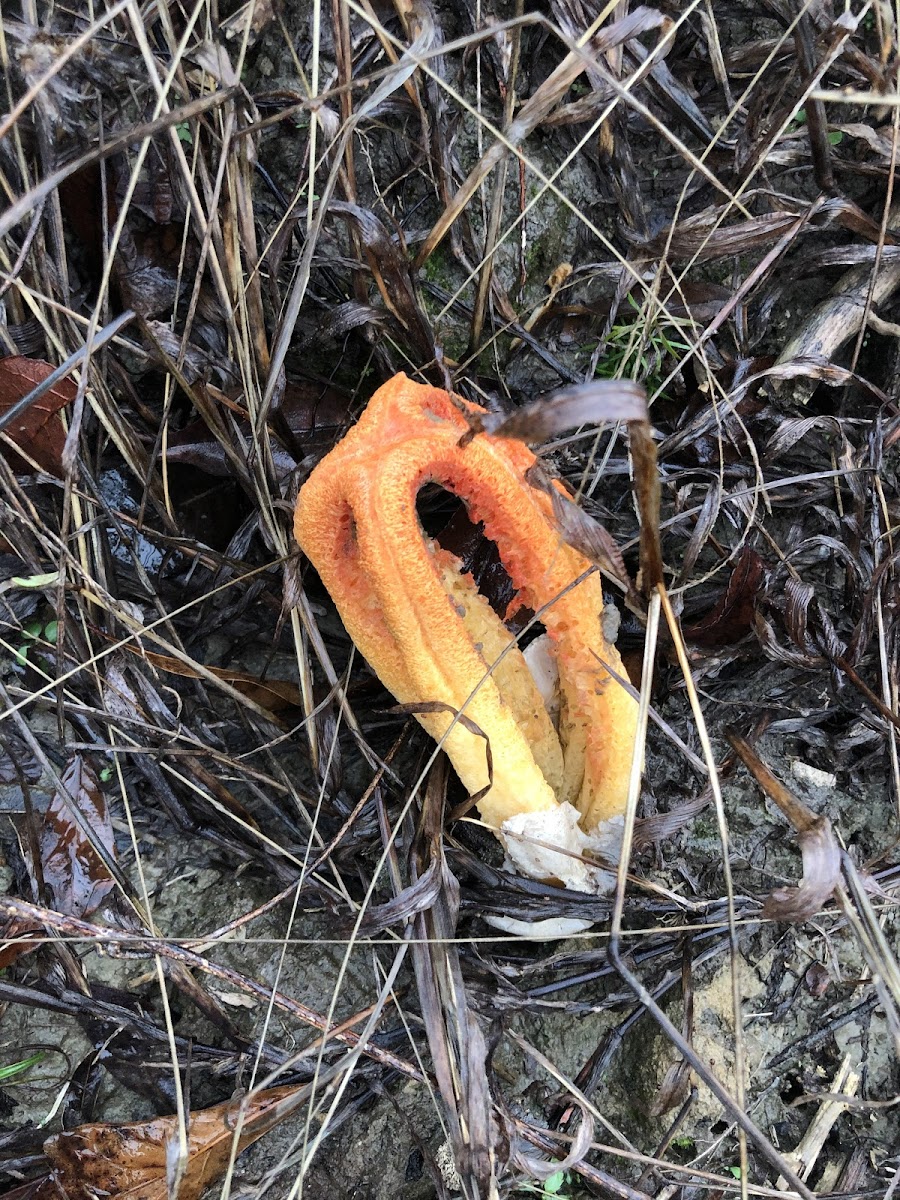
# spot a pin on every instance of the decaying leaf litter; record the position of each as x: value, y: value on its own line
x: 228, y: 860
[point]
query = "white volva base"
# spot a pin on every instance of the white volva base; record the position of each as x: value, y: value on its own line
x: 547, y: 846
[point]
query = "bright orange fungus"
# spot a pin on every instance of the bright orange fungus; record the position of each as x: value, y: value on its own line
x: 430, y: 636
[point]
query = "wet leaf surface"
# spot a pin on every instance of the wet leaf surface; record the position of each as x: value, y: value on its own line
x: 72, y: 868
x: 137, y: 1160
x: 14, y: 940
x: 38, y: 431
x: 731, y: 618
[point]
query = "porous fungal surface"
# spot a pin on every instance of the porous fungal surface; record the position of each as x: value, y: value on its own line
x: 230, y: 860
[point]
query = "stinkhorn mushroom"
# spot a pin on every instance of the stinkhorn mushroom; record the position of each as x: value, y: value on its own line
x: 436, y: 643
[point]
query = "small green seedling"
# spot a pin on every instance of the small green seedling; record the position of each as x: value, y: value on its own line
x: 798, y: 121
x: 684, y: 1143
x: 550, y: 1189
x: 36, y: 631
x: 553, y: 1184
x: 632, y: 352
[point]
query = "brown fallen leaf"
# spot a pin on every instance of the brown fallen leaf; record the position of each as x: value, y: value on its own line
x: 732, y: 615
x: 38, y: 431
x: 310, y: 418
x: 14, y: 940
x: 135, y: 1160
x: 817, y: 980
x: 273, y: 694
x: 73, y: 869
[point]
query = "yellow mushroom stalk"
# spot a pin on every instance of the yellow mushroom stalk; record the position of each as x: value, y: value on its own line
x: 433, y: 640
